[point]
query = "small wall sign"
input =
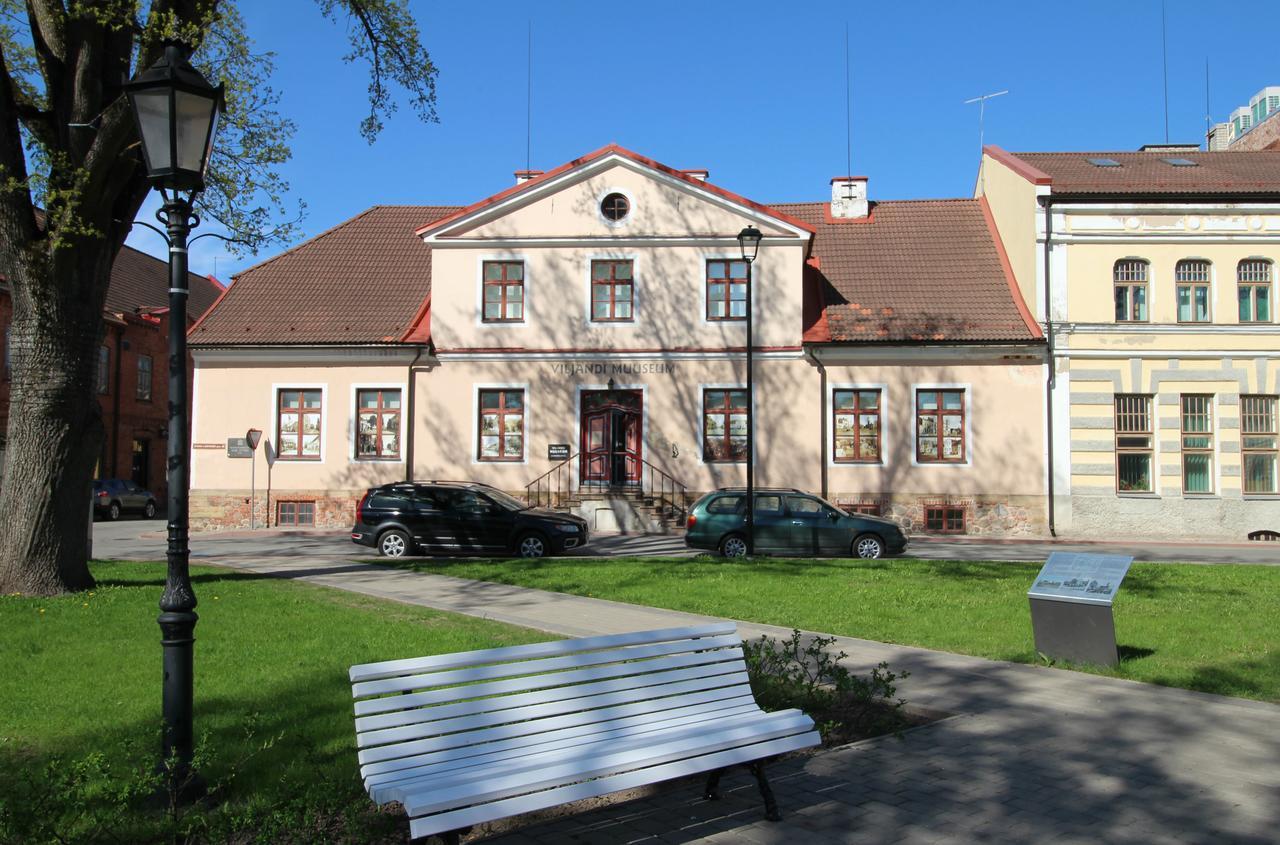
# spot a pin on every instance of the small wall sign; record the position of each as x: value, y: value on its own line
x: 558, y: 451
x: 238, y: 447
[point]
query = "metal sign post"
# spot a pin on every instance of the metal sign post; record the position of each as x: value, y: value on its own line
x: 1071, y: 607
x: 251, y: 438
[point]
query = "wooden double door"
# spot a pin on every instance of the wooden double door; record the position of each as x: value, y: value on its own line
x: 612, y: 437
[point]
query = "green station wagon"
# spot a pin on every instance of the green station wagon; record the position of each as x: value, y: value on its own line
x: 790, y: 522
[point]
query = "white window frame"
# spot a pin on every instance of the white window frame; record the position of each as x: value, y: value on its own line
x: 274, y: 416
x: 353, y: 421
x: 476, y: 387
x: 703, y: 387
x: 968, y: 424
x: 884, y: 425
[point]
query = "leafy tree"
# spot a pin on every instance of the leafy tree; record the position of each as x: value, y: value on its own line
x: 71, y: 180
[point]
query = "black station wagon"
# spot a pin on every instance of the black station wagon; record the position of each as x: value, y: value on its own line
x: 453, y: 517
x: 789, y: 522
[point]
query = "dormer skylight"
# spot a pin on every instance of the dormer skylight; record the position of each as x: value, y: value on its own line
x: 1104, y: 162
x: 1180, y: 162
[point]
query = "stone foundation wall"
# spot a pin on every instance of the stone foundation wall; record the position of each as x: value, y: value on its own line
x: 985, y: 516
x: 229, y: 509
x: 1172, y: 517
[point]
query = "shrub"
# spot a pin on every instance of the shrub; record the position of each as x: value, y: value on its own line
x: 805, y: 674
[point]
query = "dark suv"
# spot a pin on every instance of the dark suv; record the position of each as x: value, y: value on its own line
x: 454, y: 517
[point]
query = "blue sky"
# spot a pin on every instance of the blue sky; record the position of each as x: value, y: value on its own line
x: 752, y: 91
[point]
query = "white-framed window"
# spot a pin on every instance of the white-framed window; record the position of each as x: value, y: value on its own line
x: 1193, y: 282
x: 1259, y: 432
x: 378, y: 426
x: 941, y: 420
x: 1197, y: 443
x: 1253, y: 290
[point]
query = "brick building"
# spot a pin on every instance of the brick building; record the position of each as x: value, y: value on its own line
x: 132, y: 365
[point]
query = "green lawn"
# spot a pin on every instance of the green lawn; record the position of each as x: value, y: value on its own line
x: 1208, y: 628
x: 82, y: 673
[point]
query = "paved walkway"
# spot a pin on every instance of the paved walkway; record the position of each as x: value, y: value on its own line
x: 1029, y: 754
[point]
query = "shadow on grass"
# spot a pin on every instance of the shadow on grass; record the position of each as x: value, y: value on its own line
x: 1253, y: 677
x: 1133, y: 652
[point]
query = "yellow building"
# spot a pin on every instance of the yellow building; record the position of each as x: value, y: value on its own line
x: 1153, y: 275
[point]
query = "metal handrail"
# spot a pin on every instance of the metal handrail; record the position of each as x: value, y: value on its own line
x: 555, y: 487
x: 555, y: 476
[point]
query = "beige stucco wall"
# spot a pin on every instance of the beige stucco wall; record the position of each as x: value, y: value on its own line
x: 1012, y: 199
x: 670, y: 299
x: 670, y: 276
x: 1090, y: 288
x: 232, y: 397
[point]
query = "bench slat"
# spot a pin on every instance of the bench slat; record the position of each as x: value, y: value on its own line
x: 477, y: 814
x: 721, y: 686
x: 404, y: 749
x: 536, y: 667
x: 390, y: 668
x: 557, y: 680
x: 475, y: 744
x: 576, y: 697
x: 554, y: 768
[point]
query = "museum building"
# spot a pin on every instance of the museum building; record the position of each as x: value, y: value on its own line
x: 581, y: 337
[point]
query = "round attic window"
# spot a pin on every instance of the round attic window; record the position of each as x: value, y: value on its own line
x: 615, y: 207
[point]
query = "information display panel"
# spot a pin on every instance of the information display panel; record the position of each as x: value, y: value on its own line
x: 1082, y: 578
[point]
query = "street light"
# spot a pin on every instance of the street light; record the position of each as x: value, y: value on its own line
x: 176, y: 111
x: 749, y: 242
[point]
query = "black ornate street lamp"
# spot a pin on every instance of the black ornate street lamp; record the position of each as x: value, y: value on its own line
x: 176, y: 111
x: 749, y: 242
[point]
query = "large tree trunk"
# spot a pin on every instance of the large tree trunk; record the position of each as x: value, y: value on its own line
x: 55, y: 421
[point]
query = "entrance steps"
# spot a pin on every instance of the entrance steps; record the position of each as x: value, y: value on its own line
x: 627, y: 512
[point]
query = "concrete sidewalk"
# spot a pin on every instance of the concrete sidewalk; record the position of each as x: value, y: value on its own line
x: 1031, y: 754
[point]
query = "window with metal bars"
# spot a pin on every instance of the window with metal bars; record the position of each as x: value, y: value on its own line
x: 1197, y: 443
x: 1259, y: 431
x: 1191, y: 277
x: 612, y: 292
x: 1134, y: 443
x: 1130, y: 279
x: 1253, y: 290
x: 503, y: 291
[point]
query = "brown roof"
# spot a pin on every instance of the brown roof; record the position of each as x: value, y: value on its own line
x: 1218, y: 173
x: 141, y: 282
x: 917, y: 271
x: 363, y: 281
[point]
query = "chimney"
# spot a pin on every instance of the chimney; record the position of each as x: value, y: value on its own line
x: 523, y: 176
x: 700, y: 175
x: 849, y: 197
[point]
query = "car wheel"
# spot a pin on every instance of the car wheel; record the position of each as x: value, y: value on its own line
x: 735, y: 545
x: 150, y: 510
x: 531, y: 545
x: 868, y: 546
x: 113, y: 512
x: 394, y: 543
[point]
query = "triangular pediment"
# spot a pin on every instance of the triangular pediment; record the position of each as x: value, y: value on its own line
x: 565, y: 204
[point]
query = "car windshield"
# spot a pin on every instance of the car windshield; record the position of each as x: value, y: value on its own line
x: 506, y: 500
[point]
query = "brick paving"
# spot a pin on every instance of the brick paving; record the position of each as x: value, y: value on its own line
x: 1028, y: 754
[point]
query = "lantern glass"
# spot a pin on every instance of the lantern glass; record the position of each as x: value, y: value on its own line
x: 194, y: 117
x: 749, y: 241
x: 152, y: 108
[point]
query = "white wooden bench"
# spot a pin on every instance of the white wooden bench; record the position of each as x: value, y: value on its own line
x: 461, y: 739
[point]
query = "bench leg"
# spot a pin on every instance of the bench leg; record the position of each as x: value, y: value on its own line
x: 453, y: 837
x: 712, y: 792
x: 770, y: 805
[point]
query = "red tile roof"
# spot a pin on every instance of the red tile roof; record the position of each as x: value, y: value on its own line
x: 363, y: 281
x: 917, y: 271
x: 140, y: 282
x: 1227, y: 174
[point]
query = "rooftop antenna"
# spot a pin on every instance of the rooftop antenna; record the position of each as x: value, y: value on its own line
x: 848, y: 107
x: 528, y: 135
x: 982, y: 112
x: 1208, y: 115
x: 1164, y: 53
